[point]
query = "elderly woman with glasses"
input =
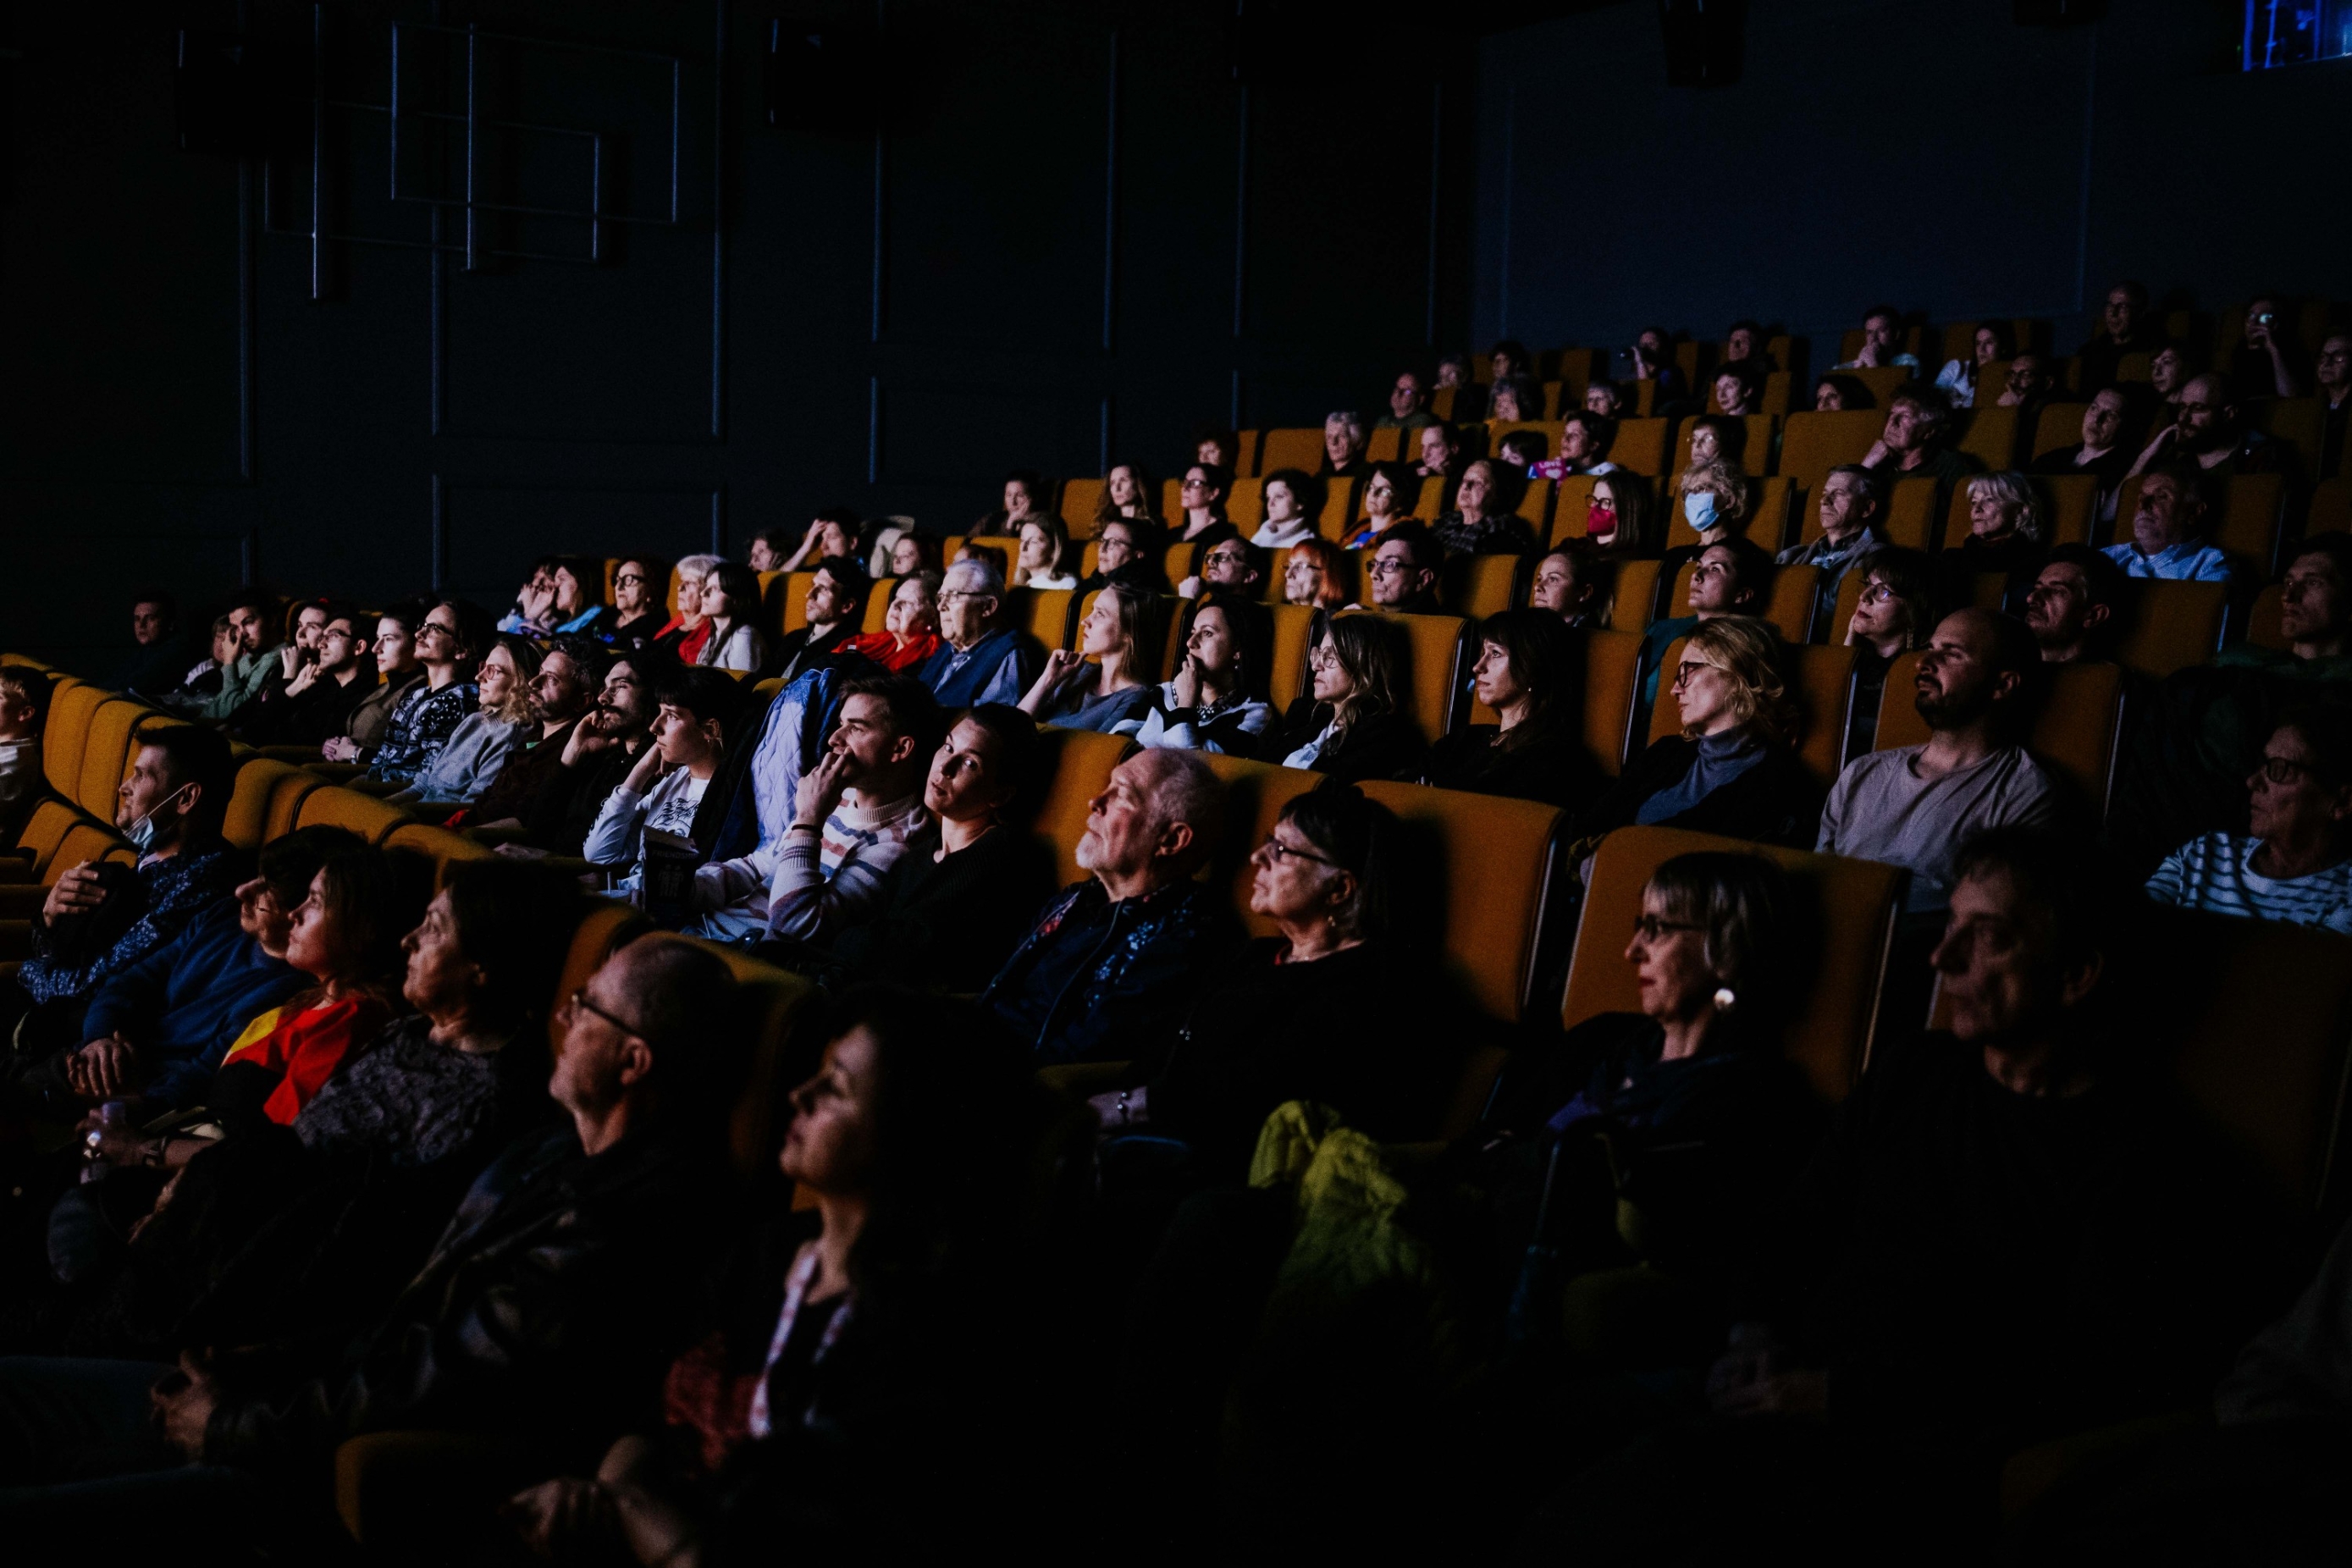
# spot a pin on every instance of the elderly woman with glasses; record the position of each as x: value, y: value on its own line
x: 1330, y: 1009
x: 1734, y: 770
x: 2294, y: 860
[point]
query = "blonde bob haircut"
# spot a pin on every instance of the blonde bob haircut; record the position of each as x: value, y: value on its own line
x: 1748, y: 650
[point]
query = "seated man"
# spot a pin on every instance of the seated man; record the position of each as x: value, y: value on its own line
x: 23, y: 698
x: 164, y: 655
x: 986, y: 659
x: 99, y: 921
x: 2294, y: 862
x: 1441, y: 453
x: 544, y: 1316
x: 835, y: 609
x: 594, y: 759
x: 1738, y: 390
x: 1917, y: 443
x: 1235, y: 564
x: 1112, y: 960
x: 253, y: 617
x: 1343, y: 444
x: 560, y: 694
x: 1729, y: 577
x: 2333, y: 372
x: 2266, y: 364
x: 1914, y: 806
x: 1402, y: 572
x: 2125, y: 328
x: 1852, y: 513
x: 1881, y: 327
x: 2169, y: 527
x: 2100, y: 455
x: 2207, y: 429
x: 315, y: 702
x: 2073, y: 607
x: 1408, y: 405
x: 398, y: 673
x: 2314, y: 615
x: 158, y: 1029
x: 2029, y: 385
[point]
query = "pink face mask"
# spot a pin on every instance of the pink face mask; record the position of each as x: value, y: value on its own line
x: 1600, y: 522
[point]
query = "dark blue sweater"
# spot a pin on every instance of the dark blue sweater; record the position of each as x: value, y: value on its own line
x: 184, y: 1003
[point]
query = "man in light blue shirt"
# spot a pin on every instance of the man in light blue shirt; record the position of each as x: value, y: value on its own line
x: 2168, y: 540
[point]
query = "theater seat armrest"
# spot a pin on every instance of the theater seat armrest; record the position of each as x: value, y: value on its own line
x: 2033, y: 1478
x: 301, y: 756
x: 421, y: 1491
x: 1084, y: 1079
x: 334, y: 773
x: 22, y: 901
x: 13, y: 870
x: 15, y: 941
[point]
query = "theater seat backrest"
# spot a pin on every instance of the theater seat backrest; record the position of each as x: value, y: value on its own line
x: 1440, y: 660
x: 878, y: 604
x: 1480, y: 585
x: 1077, y: 764
x: 1293, y: 626
x: 1246, y: 506
x: 1990, y: 434
x: 1611, y: 662
x: 1076, y: 510
x: 1769, y: 501
x: 1640, y: 445
x: 65, y: 731
x: 335, y: 807
x: 2253, y: 507
x: 85, y: 840
x: 1812, y: 443
x: 2263, y: 626
x: 1498, y: 859
x: 787, y: 599
x: 2331, y: 504
x: 1631, y: 597
x: 108, y: 751
x: 438, y: 844
x: 1255, y: 795
x: 1757, y: 435
x: 45, y: 833
x: 248, y: 823
x: 2073, y: 733
x: 2059, y: 428
x: 1571, y: 507
x: 1043, y: 614
x: 2172, y: 626
x: 1339, y: 500
x: 774, y: 1000
x: 1300, y: 449
x: 1910, y: 514
x: 1856, y: 904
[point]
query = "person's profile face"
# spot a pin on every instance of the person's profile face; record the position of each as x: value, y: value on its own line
x: 962, y: 785
x: 339, y: 644
x: 1554, y: 588
x: 1329, y: 680
x: 1988, y: 343
x: 1436, y: 451
x: 495, y: 677
x: 309, y: 623
x: 1669, y: 959
x: 1879, y: 613
x: 1036, y: 548
x: 2312, y: 600
x: 1211, y: 641
x: 1730, y: 394
x: 1404, y: 397
x: 1211, y: 452
x: 1740, y: 345
x: 1995, y: 971
x: 1955, y: 677
x: 911, y: 614
x: 1379, y: 497
x: 1018, y: 502
x: 148, y: 621
x: 1828, y: 399
x: 763, y: 557
x: 1904, y: 426
x: 1115, y: 549
x: 2332, y: 367
x: 1394, y: 580
x: 2167, y: 514
x: 1281, y: 506
x: 1470, y: 495
x: 2120, y: 315
x: 246, y: 623
x: 2286, y: 797
x: 2167, y: 370
x: 829, y: 1146
x: 2058, y: 604
x: 1122, y: 833
x: 1878, y: 333
x: 1715, y: 582
x: 1122, y: 485
x: 1302, y: 579
x: 823, y: 604
x: 1227, y: 566
x: 1600, y: 400
x: 1198, y: 492
x: 905, y: 558
x: 1704, y: 448
x: 2102, y: 420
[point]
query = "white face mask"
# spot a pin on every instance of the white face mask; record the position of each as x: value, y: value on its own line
x: 1699, y: 508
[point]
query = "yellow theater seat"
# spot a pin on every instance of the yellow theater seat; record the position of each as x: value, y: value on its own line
x: 1812, y: 443
x: 1856, y: 904
x: 1989, y: 434
x: 1499, y: 859
x: 2073, y: 732
x: 250, y: 822
x: 335, y: 807
x: 1077, y: 507
x: 1641, y: 445
x: 1611, y: 662
x: 2059, y: 428
x: 2067, y: 502
x: 1256, y: 792
x: 1044, y: 612
x: 1790, y: 603
x: 2171, y: 625
x: 440, y: 846
x: 2263, y: 627
x: 1441, y: 658
x: 1629, y: 597
x: 65, y: 731
x: 1299, y: 448
x: 2252, y: 512
x: 1572, y: 505
x: 1077, y: 764
x: 1477, y: 586
x: 1294, y: 625
x: 108, y: 748
x: 2331, y: 505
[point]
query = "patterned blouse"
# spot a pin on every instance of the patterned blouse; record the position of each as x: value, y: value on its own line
x: 420, y: 727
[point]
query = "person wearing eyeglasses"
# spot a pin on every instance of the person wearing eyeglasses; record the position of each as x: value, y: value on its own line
x: 1200, y: 505
x: 986, y: 659
x: 1236, y: 565
x: 1402, y: 570
x: 1331, y: 1009
x: 2294, y: 862
x: 1352, y: 724
x: 1893, y: 615
x: 1733, y: 771
x: 451, y: 642
x: 1481, y: 522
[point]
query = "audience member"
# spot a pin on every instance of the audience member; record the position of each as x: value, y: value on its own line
x: 1408, y: 405
x: 2006, y: 533
x: 2206, y: 430
x: 1025, y: 496
x: 1882, y: 331
x: 1515, y: 399
x: 1127, y: 493
x: 1654, y: 360
x: 731, y: 608
x: 1739, y: 392
x: 315, y: 703
x: 1216, y: 448
x: 484, y: 740
x: 570, y: 675
x: 2026, y: 387
x: 833, y: 611
x: 771, y: 547
x: 1717, y: 438
x: 2074, y: 607
x: 1201, y: 501
x: 1852, y: 513
x: 100, y: 918
x: 1729, y: 577
x: 2314, y: 615
x: 665, y: 786
x: 1344, y: 436
x: 1745, y: 344
x: 1841, y: 395
x: 253, y: 617
x: 1916, y: 442
x: 1482, y: 522
x: 1617, y: 519
x: 1993, y: 342
x: 911, y: 626
x: 1605, y: 398
x: 1332, y: 1010
x: 2294, y: 862
x: 1127, y: 552
x: 1112, y: 690
x: 830, y: 867
x: 1352, y: 724
x: 966, y: 891
x: 1403, y: 570
x: 392, y: 655
x: 912, y: 554
x: 1733, y: 771
x: 1045, y: 558
x: 1108, y: 964
x: 2101, y: 453
x: 2168, y: 529
x: 454, y: 637
x: 1218, y: 700
x: 2332, y: 371
x: 1914, y: 806
x: 1387, y: 497
x: 1522, y: 450
x: 530, y: 614
x: 1714, y: 503
x: 1584, y: 441
x: 987, y: 658
x: 1527, y: 673
x: 1567, y: 583
x: 24, y: 700
x: 1291, y: 505
x: 597, y: 756
x: 162, y: 659
x: 687, y: 632
x: 2268, y: 360
x: 1894, y: 613
x: 1320, y: 575
x: 1441, y: 453
x: 2124, y: 329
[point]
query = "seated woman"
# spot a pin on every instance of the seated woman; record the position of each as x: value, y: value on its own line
x: 666, y: 787
x: 1994, y: 342
x: 640, y: 584
x: 2006, y: 533
x: 1522, y: 450
x: 1334, y: 1009
x: 1201, y: 517
x: 1128, y: 552
x: 1099, y: 685
x: 1841, y: 395
x: 2294, y: 862
x: 1293, y: 501
x: 1218, y: 700
x: 689, y: 631
x: 1320, y: 576
x: 1704, y: 1118
x: 1894, y: 615
x: 730, y: 604
x: 1617, y: 517
x: 1481, y: 522
x: 911, y: 626
x: 913, y: 552
x: 531, y: 612
x: 1733, y: 771
x: 1567, y: 583
x: 483, y: 742
x: 1714, y: 503
x: 1718, y: 440
x: 831, y: 533
x: 1025, y: 496
x: 1514, y: 398
x: 1352, y: 725
x: 1046, y: 554
x: 1127, y: 494
x: 880, y: 1331
x: 1528, y: 673
x: 966, y: 893
x: 1389, y: 496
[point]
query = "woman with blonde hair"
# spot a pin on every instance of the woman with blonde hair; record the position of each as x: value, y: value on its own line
x: 1074, y: 694
x: 1353, y: 725
x: 1734, y: 770
x: 689, y: 629
x: 486, y: 740
x: 2006, y: 533
x: 1893, y: 615
x: 1714, y: 501
x: 1045, y: 547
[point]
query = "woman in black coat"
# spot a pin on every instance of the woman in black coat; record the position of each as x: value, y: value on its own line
x: 1355, y: 728
x: 1733, y: 771
x: 1526, y: 672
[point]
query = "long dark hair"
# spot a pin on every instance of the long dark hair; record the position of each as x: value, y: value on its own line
x: 376, y: 898
x: 1252, y: 625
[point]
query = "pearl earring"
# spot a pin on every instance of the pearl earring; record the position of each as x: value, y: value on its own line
x: 1725, y: 999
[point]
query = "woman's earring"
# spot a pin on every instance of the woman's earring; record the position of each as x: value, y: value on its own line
x: 1725, y: 999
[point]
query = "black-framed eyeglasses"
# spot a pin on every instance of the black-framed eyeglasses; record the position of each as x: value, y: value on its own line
x: 1650, y: 928
x: 1281, y: 852
x: 627, y: 579
x: 579, y: 1001
x: 1688, y: 667
x: 2284, y: 770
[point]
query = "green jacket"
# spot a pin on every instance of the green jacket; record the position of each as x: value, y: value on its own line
x: 240, y: 683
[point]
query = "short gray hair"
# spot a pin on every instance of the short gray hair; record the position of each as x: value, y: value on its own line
x: 1348, y: 419
x: 2012, y: 490
x: 1187, y: 790
x: 977, y: 577
x: 700, y: 565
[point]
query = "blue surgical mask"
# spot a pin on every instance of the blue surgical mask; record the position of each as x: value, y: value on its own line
x: 142, y: 833
x: 1699, y: 508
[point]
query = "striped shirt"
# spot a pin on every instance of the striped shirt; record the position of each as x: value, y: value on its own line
x: 825, y: 881
x: 2216, y: 873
